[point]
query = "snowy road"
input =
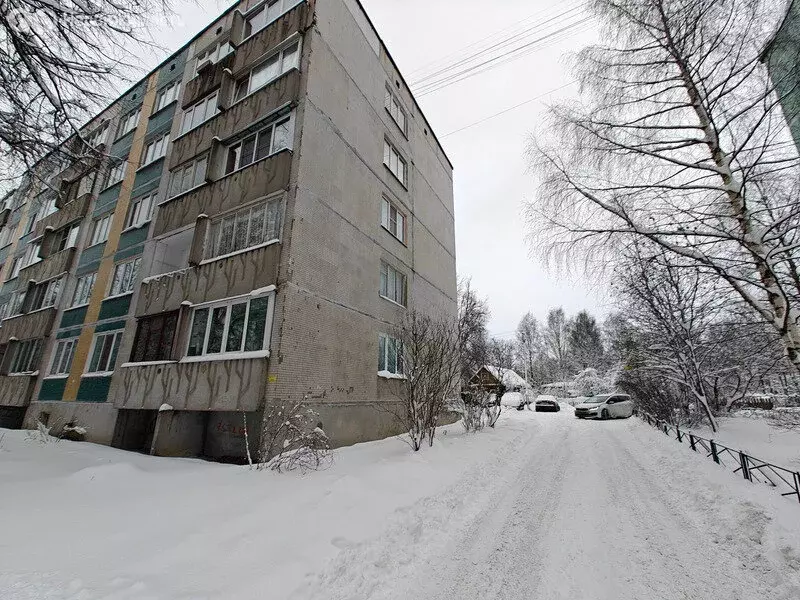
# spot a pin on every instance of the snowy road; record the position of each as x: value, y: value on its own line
x: 544, y: 507
x: 571, y: 510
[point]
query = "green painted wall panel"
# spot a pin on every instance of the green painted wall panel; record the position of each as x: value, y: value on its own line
x: 131, y: 245
x: 113, y: 326
x: 73, y: 317
x: 107, y: 200
x: 151, y: 172
x: 115, y: 307
x: 162, y: 120
x: 91, y: 255
x: 52, y: 389
x: 94, y: 389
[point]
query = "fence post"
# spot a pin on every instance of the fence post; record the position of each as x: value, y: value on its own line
x: 797, y: 485
x: 678, y: 431
x: 714, y: 454
x: 666, y: 428
x: 745, y: 467
x: 691, y: 442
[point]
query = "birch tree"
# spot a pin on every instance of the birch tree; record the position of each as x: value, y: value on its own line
x: 679, y: 140
x: 59, y: 63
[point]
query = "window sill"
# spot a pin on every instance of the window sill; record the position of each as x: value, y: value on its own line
x: 390, y: 375
x: 148, y: 363
x: 115, y: 296
x: 392, y: 301
x: 255, y: 162
x: 56, y: 377
x: 220, y: 357
x: 99, y: 374
x: 261, y: 87
x: 152, y: 162
x: 135, y: 227
x: 25, y: 374
x: 82, y: 305
x: 95, y: 245
x: 211, y: 118
x: 208, y: 261
x: 108, y: 187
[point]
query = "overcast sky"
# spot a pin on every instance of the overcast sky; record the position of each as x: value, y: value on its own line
x: 492, y: 183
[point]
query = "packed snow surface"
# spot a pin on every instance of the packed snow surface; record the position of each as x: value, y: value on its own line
x: 544, y: 507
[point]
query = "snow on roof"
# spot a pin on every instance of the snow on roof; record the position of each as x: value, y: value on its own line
x: 511, y: 378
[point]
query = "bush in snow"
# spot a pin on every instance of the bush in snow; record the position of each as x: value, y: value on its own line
x: 292, y: 438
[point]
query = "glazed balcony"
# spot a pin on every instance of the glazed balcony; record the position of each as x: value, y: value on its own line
x: 73, y: 211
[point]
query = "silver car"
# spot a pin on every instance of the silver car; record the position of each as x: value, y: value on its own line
x: 605, y: 406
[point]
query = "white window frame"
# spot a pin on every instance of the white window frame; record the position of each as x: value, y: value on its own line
x: 141, y: 211
x: 83, y: 290
x: 16, y: 302
x: 283, y: 68
x: 384, y: 343
x: 256, y: 138
x: 101, y: 227
x: 16, y: 267
x: 63, y: 356
x: 32, y: 347
x: 192, y: 164
x: 186, y: 123
x: 214, y: 251
x: 129, y: 122
x: 116, y: 340
x: 398, y: 229
x: 224, y: 354
x: 31, y: 256
x: 389, y: 290
x: 155, y: 150
x: 128, y: 280
x: 50, y: 295
x: 284, y: 6
x: 396, y: 110
x: 393, y: 160
x: 167, y: 95
x: 214, y: 54
x: 71, y: 240
x: 116, y: 173
x: 98, y: 136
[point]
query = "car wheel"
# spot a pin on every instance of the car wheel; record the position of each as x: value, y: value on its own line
x: 604, y: 414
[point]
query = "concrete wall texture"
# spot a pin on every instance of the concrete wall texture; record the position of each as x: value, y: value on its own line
x: 323, y: 274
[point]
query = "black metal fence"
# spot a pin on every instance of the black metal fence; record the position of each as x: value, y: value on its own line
x: 785, y: 481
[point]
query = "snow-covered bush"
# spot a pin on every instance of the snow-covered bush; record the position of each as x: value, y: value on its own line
x: 292, y: 438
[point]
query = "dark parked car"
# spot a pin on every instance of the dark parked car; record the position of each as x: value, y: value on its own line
x: 547, y: 404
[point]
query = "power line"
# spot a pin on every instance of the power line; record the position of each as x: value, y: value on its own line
x: 507, y: 110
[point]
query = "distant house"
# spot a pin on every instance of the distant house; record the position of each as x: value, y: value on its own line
x: 561, y: 389
x: 517, y: 391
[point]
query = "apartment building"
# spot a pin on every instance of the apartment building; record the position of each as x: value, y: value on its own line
x: 781, y: 55
x: 272, y: 203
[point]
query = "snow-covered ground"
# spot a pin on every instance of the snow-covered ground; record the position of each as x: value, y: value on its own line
x: 759, y: 434
x: 544, y: 507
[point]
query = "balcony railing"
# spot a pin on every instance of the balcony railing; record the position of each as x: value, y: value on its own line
x: 36, y: 324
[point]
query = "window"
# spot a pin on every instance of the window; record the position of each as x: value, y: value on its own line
x: 271, y: 139
x: 199, y: 113
x: 269, y: 11
x: 44, y: 295
x: 167, y: 95
x: 31, y: 255
x: 393, y: 220
x: 230, y: 327
x: 390, y: 355
x: 392, y: 105
x: 395, y: 163
x: 62, y: 358
x: 6, y: 236
x: 244, y: 229
x: 393, y: 284
x: 32, y: 222
x: 16, y: 302
x: 104, y: 352
x: 26, y: 357
x: 98, y: 136
x: 273, y: 67
x: 16, y: 265
x: 64, y: 238
x: 214, y: 54
x: 154, y: 338
x: 129, y: 122
x: 83, y: 290
x: 141, y: 211
x: 155, y: 150
x: 5, y: 309
x: 124, y: 277
x: 100, y: 229
x: 188, y: 176
x: 116, y: 173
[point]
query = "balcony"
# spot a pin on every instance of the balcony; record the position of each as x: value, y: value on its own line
x: 283, y: 91
x: 16, y: 390
x: 72, y: 211
x: 36, y: 324
x: 47, y: 268
x: 232, y: 276
x: 298, y: 19
x: 223, y: 385
x: 206, y: 81
x: 255, y: 181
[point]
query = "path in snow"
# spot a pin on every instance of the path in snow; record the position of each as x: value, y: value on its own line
x: 573, y: 510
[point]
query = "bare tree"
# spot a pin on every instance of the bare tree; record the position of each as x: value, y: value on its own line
x: 59, y: 64
x: 556, y: 341
x: 680, y: 141
x: 529, y: 347
x: 473, y: 339
x: 292, y: 438
x: 431, y: 368
x: 585, y: 342
x: 501, y: 361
